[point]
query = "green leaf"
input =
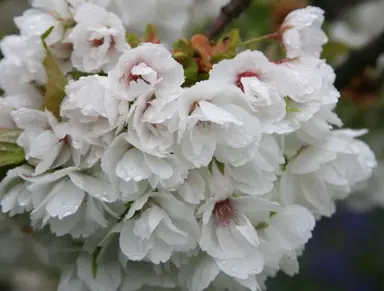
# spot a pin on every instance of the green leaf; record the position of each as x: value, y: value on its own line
x: 45, y: 35
x: 272, y: 213
x: 290, y: 105
x: 190, y: 72
x: 9, y: 135
x: 220, y: 166
x: 261, y: 225
x: 55, y: 87
x: 76, y: 75
x: 132, y: 39
x: 10, y: 154
x: 95, y: 254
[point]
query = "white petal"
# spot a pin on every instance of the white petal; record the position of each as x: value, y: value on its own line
x: 203, y: 272
x: 132, y: 245
x: 160, y: 252
x: 208, y: 241
x: 310, y: 160
x: 98, y: 188
x: 66, y: 201
x: 170, y: 234
x: 245, y: 227
x: 108, y: 277
x: 291, y: 227
x: 216, y: 114
x: 227, y: 242
x: 242, y: 268
x: 30, y: 118
x: 132, y: 166
x: 159, y: 166
x: 148, y: 222
x: 193, y: 189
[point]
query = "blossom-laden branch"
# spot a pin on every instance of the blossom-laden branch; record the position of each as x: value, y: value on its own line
x: 228, y: 12
x: 177, y: 154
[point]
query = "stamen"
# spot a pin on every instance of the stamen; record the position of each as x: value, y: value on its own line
x: 223, y: 212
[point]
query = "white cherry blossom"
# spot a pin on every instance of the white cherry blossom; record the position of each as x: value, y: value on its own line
x: 152, y: 123
x: 253, y: 74
x: 25, y: 96
x: 35, y: 22
x: 307, y: 87
x: 143, y: 69
x: 14, y: 193
x: 59, y: 8
x: 126, y: 163
x: 43, y: 146
x: 215, y: 121
x: 98, y: 39
x: 157, y: 225
x: 257, y: 176
x: 18, y: 69
x: 71, y: 201
x: 301, y: 32
x: 228, y: 228
x: 319, y: 126
x: 90, y: 123
x: 335, y: 166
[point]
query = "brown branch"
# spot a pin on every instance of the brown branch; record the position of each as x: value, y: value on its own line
x: 228, y: 12
x: 358, y: 60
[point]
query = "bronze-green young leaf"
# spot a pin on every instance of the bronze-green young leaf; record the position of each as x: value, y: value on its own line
x: 10, y: 154
x: 150, y: 34
x: 226, y: 46
x: 56, y: 81
x: 183, y: 46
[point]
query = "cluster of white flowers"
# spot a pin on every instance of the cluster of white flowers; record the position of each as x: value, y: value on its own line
x: 141, y: 183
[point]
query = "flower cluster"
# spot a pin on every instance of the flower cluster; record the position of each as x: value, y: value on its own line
x: 138, y: 181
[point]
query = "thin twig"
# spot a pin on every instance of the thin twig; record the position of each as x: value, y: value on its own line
x: 228, y: 12
x: 358, y: 60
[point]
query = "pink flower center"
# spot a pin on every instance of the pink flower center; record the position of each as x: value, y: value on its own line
x: 65, y: 139
x: 135, y: 78
x: 100, y: 41
x: 223, y: 212
x: 97, y: 42
x: 244, y: 75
